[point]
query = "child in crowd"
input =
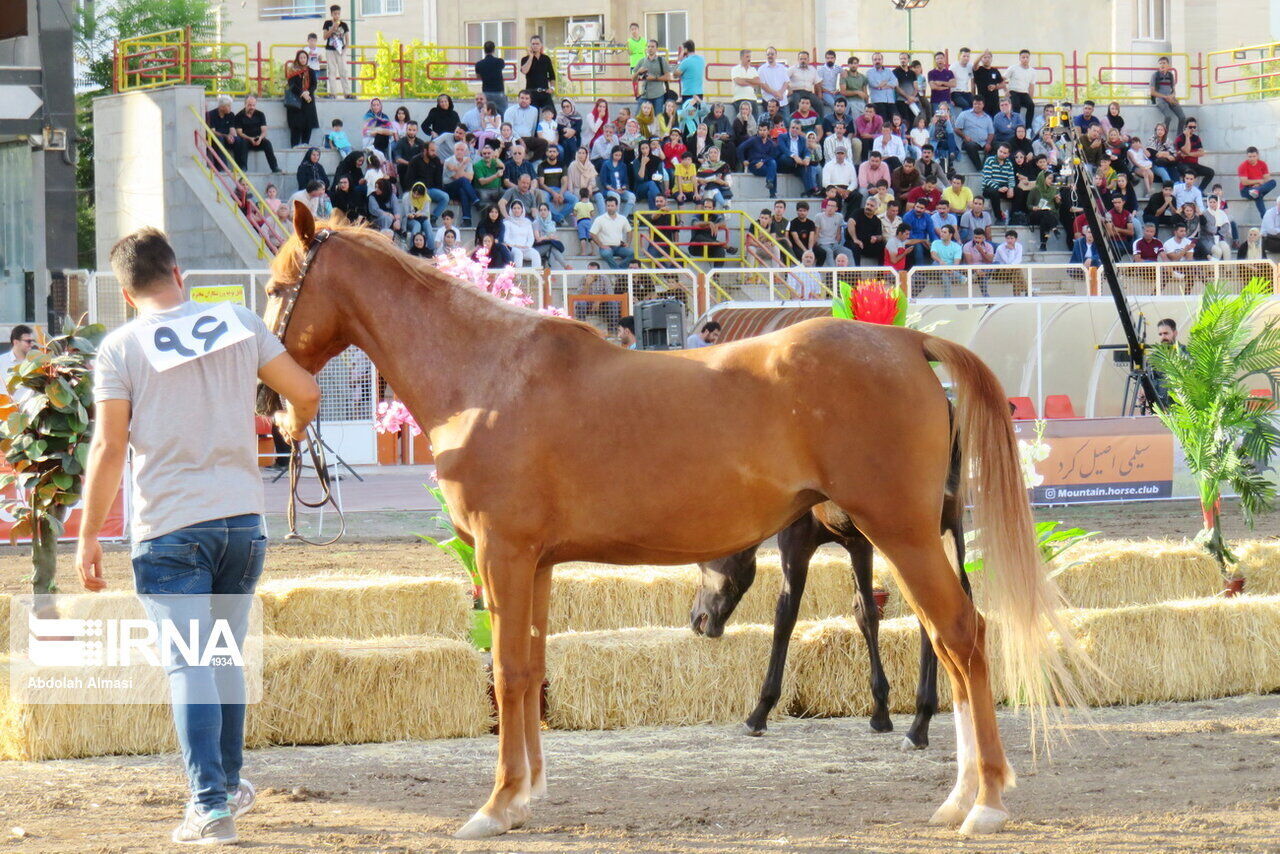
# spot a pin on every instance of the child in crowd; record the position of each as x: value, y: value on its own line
x: 686, y: 181
x: 549, y: 129
x: 583, y: 213
x: 446, y: 225
x: 336, y: 139
x: 544, y: 239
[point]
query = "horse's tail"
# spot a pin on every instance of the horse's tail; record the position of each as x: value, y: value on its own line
x: 1034, y: 670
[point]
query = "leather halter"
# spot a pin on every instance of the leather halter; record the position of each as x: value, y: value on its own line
x: 295, y: 290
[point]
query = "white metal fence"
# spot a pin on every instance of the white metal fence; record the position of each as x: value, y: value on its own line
x: 773, y: 284
x: 1186, y: 278
x: 602, y: 297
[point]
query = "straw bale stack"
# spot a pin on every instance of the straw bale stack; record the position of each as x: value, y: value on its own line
x: 367, y: 606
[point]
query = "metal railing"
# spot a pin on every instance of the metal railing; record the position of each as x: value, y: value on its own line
x: 782, y: 284
x: 1244, y: 72
x: 1183, y: 278
x: 1002, y: 280
x: 1126, y: 76
x: 213, y: 159
x: 602, y: 297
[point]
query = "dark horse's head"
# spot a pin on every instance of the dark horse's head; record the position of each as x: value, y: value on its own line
x: 723, y: 582
x: 315, y: 331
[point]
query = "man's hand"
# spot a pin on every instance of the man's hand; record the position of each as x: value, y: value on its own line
x: 293, y: 429
x: 89, y: 564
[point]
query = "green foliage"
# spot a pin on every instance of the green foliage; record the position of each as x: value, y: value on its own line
x: 1052, y: 542
x: 1226, y: 435
x: 46, y: 441
x: 465, y: 554
x: 420, y: 59
x: 100, y: 24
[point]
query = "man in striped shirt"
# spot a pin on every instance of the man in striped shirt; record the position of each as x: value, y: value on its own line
x: 998, y: 180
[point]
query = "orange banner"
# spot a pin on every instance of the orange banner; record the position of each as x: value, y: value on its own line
x: 1103, y: 459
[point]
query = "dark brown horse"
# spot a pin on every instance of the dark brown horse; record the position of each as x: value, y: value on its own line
x: 725, y: 581
x: 553, y: 445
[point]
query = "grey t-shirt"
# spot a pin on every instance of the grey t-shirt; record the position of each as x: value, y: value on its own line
x: 191, y: 428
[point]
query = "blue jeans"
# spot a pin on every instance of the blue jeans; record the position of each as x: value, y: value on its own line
x: 175, y: 574
x: 1162, y: 172
x: 1256, y: 193
x: 415, y: 225
x: 962, y: 101
x: 439, y: 201
x: 946, y: 146
x: 768, y: 171
x: 649, y: 190
x: 561, y: 211
x: 658, y: 104
x: 626, y: 201
x: 467, y: 197
x: 616, y: 257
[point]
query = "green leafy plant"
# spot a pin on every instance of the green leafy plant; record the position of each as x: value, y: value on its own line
x: 465, y: 554
x: 1052, y: 540
x: 1227, y: 436
x: 99, y: 25
x: 46, y: 443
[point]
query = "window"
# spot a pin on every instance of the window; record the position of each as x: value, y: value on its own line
x: 669, y: 28
x: 1151, y: 20
x: 295, y: 9
x: 381, y: 7
x: 501, y: 33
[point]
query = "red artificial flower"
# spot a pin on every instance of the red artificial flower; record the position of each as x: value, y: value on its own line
x: 872, y: 302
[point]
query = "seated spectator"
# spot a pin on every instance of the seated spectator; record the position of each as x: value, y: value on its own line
x: 1148, y: 247
x: 649, y: 173
x: 942, y: 136
x: 806, y: 116
x: 975, y: 132
x: 581, y: 179
x: 922, y: 235
x: 713, y: 179
x: 551, y: 179
x: 882, y: 194
x: 1219, y: 230
x: 472, y: 119
x: 795, y: 156
x: 1179, y: 247
x: 830, y: 234
x: 1042, y: 203
x: 1093, y: 146
x: 1188, y: 192
x: 448, y: 242
x: 610, y: 233
x: 336, y: 139
x: 523, y: 118
x: 998, y: 184
x: 928, y: 167
x: 802, y: 232
x: 1045, y: 147
x: 518, y: 231
x: 708, y: 234
x: 497, y: 254
x: 1190, y: 149
x: 760, y: 155
x: 518, y: 164
x: 957, y: 196
x: 251, y: 135
x: 1025, y: 172
x: 458, y: 174
x: 744, y: 125
x: 1085, y: 251
x: 313, y: 196
x: 1005, y: 122
x: 1021, y: 143
x: 946, y: 252
x: 352, y: 204
x: 1086, y: 120
x: 867, y: 128
x: 491, y: 222
x: 570, y: 124
x: 523, y: 192
x: 1164, y: 156
x: 840, y: 114
x: 416, y: 206
x: 487, y: 176
x: 418, y: 247
x: 905, y: 178
x: 311, y: 169
x: 1119, y: 224
x: 889, y: 219
x: 804, y: 282
x: 873, y: 171
x: 1197, y: 229
x: 839, y: 175
x: 1271, y: 229
x: 550, y: 249
x: 941, y: 216
x: 927, y: 192
x: 1255, y: 179
x: 684, y: 182
x: 978, y: 250
x: 1009, y: 252
x: 1162, y: 208
x: 673, y: 148
x: 1250, y: 248
x: 897, y: 248
x: 918, y: 137
x: 977, y: 217
x: 615, y: 183
x: 275, y: 205
x: 549, y: 130
x: 1140, y: 164
x: 890, y: 147
x: 384, y: 208
x: 377, y: 132
x: 583, y: 216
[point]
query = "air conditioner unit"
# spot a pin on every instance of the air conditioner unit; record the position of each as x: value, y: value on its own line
x: 583, y: 30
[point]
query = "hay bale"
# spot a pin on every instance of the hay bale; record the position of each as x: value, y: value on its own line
x: 367, y: 606
x: 339, y: 691
x: 6, y: 605
x: 832, y: 670
x: 656, y: 677
x: 1195, y: 649
x: 1260, y: 563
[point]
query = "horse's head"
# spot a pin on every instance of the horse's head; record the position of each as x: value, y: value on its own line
x: 723, y: 583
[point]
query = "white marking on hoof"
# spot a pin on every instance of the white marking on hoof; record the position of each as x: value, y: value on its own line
x: 539, y: 787
x: 950, y: 814
x: 907, y: 745
x: 520, y: 814
x: 982, y: 820
x: 481, y: 826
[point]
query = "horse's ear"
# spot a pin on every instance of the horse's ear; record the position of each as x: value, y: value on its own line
x: 304, y: 224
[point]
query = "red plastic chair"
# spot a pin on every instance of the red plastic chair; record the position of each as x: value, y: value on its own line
x: 1023, y: 409
x: 1059, y: 406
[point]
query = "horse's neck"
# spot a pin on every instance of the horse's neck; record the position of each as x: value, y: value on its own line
x: 442, y: 348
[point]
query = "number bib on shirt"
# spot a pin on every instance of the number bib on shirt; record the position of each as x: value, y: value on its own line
x: 188, y: 338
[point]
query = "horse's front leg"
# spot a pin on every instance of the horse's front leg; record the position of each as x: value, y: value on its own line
x: 508, y: 571
x: 537, y: 674
x: 797, y: 542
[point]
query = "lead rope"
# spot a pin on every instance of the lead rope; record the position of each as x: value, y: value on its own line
x: 315, y: 448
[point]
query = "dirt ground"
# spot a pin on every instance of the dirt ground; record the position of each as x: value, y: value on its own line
x: 1190, y: 777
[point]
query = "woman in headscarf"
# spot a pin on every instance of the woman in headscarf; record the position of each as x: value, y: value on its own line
x: 311, y: 169
x: 1251, y: 248
x: 351, y: 203
x: 570, y: 122
x: 351, y: 168
x: 299, y: 105
x: 418, y: 245
x: 442, y: 118
x: 491, y: 223
x: 518, y: 231
x: 384, y: 207
x: 377, y: 131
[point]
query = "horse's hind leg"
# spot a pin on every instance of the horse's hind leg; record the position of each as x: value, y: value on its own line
x: 797, y: 542
x: 860, y: 554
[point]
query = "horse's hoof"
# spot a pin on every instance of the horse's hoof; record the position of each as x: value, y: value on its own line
x: 950, y: 814
x: 881, y: 724
x: 754, y: 731
x: 908, y: 745
x: 481, y: 826
x: 520, y: 814
x: 982, y: 820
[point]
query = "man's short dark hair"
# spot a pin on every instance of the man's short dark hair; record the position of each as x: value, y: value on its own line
x: 965, y: 50
x: 312, y: 186
x: 312, y: 36
x: 688, y: 45
x: 710, y: 326
x: 926, y: 147
x: 802, y: 206
x: 1024, y: 50
x: 1088, y: 104
x: 1253, y: 149
x: 1169, y: 322
x: 1011, y: 233
x: 143, y: 260
x: 335, y: 8
x: 628, y: 323
x: 18, y: 331
x: 489, y: 46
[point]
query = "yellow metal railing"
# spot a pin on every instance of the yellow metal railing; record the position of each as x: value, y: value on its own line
x: 1244, y: 72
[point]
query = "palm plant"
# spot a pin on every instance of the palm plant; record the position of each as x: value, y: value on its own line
x: 1227, y: 436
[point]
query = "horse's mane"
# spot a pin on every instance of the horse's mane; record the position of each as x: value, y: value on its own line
x: 286, y: 267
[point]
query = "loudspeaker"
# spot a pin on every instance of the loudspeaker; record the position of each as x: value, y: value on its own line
x: 660, y: 324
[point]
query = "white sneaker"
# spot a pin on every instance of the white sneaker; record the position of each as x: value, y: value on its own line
x: 215, y: 827
x: 242, y: 799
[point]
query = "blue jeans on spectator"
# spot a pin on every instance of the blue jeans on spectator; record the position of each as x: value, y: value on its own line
x: 808, y: 174
x: 498, y: 99
x: 920, y: 255
x: 658, y: 104
x: 626, y: 201
x: 569, y: 147
x: 1256, y: 193
x: 1163, y: 173
x: 467, y: 197
x: 175, y: 575
x: 720, y: 195
x: 961, y: 101
x: 439, y: 201
x: 946, y: 146
x: 768, y: 171
x: 561, y: 211
x: 419, y: 224
x: 616, y: 257
x: 649, y: 190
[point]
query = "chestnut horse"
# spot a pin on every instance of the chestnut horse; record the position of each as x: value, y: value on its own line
x: 725, y: 581
x: 553, y: 445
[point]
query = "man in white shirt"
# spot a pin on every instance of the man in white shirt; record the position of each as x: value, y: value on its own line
x: 313, y: 197
x: 1009, y: 252
x: 890, y: 147
x: 704, y: 337
x: 962, y: 94
x: 804, y: 82
x: 1179, y: 247
x: 746, y: 82
x: 1021, y: 80
x: 829, y: 73
x: 839, y: 174
x: 775, y: 79
x: 609, y: 232
x: 1271, y: 222
x: 21, y: 340
x: 838, y: 140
